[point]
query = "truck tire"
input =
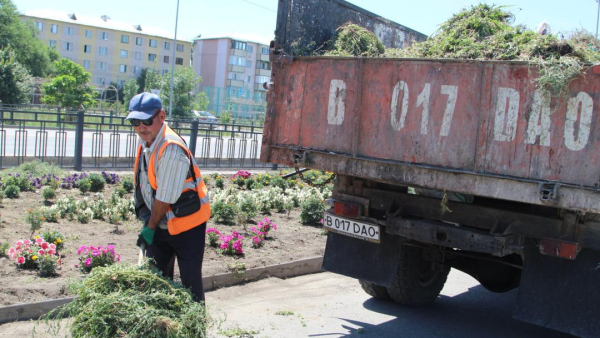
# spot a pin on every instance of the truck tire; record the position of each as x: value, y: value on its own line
x: 418, y: 282
x: 374, y: 290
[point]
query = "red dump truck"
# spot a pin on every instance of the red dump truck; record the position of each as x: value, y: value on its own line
x: 443, y: 164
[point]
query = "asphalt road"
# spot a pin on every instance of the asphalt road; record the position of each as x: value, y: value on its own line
x: 329, y: 305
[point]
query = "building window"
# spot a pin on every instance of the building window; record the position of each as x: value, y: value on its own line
x: 165, y: 71
x: 87, y: 49
x: 153, y: 43
x: 102, y: 50
x: 88, y: 33
x: 238, y: 45
x: 179, y: 61
x: 124, y: 38
x: 101, y: 81
x: 137, y: 69
x: 248, y: 64
x: 151, y: 57
x: 139, y: 41
x: 179, y: 47
x: 138, y: 55
x: 262, y: 65
x: 122, y: 68
x: 236, y: 60
x: 103, y: 35
x: 265, y: 50
x: 68, y: 46
x: 166, y: 59
x: 86, y: 64
x: 54, y: 29
x: 39, y: 25
x: 248, y: 78
x: 167, y: 45
x: 69, y: 30
x: 101, y: 65
x: 250, y: 49
x: 124, y: 53
x: 52, y: 43
x: 235, y: 76
x: 262, y: 79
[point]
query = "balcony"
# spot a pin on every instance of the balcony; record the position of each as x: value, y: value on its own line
x: 235, y: 83
x: 263, y: 72
x: 238, y: 52
x: 237, y: 69
x: 264, y: 57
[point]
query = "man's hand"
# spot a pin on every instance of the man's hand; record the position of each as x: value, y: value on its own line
x: 146, y: 237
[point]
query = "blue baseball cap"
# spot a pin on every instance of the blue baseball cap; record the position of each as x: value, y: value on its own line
x: 143, y: 106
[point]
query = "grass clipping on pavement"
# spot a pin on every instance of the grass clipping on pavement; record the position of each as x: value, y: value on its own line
x: 130, y: 301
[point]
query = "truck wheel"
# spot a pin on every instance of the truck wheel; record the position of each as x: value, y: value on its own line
x: 374, y: 290
x: 418, y: 281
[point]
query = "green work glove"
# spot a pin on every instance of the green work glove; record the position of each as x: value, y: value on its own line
x: 146, y: 237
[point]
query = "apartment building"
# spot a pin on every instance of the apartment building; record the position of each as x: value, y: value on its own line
x: 111, y: 51
x: 233, y: 72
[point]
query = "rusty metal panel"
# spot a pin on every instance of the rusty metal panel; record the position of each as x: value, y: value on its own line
x: 421, y: 112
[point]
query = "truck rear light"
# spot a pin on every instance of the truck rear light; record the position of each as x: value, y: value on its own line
x: 558, y: 248
x: 347, y: 209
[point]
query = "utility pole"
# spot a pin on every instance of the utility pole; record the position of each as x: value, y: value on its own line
x: 597, y: 18
x: 173, y: 62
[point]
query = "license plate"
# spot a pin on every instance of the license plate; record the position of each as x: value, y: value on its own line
x: 352, y: 228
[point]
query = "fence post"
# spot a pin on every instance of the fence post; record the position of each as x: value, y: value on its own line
x: 194, y: 137
x: 79, y: 141
x: 58, y: 117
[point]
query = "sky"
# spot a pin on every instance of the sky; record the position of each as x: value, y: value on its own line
x: 255, y: 20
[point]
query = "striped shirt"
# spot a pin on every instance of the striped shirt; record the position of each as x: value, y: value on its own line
x: 173, y: 168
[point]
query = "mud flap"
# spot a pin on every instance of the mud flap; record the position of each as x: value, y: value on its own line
x: 371, y: 262
x: 561, y: 294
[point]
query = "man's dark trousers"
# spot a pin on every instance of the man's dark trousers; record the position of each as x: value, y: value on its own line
x: 188, y: 247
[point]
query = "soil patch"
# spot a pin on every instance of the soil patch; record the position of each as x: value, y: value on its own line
x: 291, y: 241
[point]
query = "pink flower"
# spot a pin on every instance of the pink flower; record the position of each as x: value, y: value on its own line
x: 235, y: 234
x: 27, y: 242
x: 256, y: 240
x: 21, y: 260
x: 238, y: 246
x: 44, y: 245
x: 51, y: 252
x: 19, y: 243
x: 110, y: 247
x: 118, y: 257
x: 41, y: 252
x: 95, y: 253
x: 11, y: 251
x: 52, y: 246
x: 88, y: 262
x: 39, y: 240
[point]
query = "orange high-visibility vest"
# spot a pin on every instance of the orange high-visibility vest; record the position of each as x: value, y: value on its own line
x: 177, y: 225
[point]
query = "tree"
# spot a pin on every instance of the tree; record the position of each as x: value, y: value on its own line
x: 130, y: 89
x: 22, y: 36
x: 15, y: 80
x: 69, y: 88
x: 184, y: 84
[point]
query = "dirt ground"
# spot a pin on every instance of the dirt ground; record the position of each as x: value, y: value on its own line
x: 291, y: 241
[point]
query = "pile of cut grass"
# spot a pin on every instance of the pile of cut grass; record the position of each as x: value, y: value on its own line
x: 131, y: 301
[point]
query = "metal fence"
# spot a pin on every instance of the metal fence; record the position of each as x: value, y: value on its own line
x: 80, y: 140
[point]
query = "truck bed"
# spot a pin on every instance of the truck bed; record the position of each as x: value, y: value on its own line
x: 474, y: 127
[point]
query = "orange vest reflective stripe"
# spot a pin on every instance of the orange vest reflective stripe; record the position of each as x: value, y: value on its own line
x: 177, y: 225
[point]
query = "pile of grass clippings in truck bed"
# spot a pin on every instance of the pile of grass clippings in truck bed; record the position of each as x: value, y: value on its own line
x: 485, y: 32
x: 131, y: 301
x: 354, y: 40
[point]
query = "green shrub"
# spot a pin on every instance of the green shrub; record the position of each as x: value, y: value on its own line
x: 249, y: 183
x: 51, y: 214
x: 278, y: 181
x: 48, y: 193
x: 120, y: 192
x: 84, y: 185
x: 12, y: 191
x: 85, y: 216
x: 97, y: 182
x: 54, y: 237
x: 222, y: 212
x: 3, y: 247
x: 98, y: 208
x: 127, y: 184
x: 47, y: 265
x: 35, y: 219
x: 240, y: 181
x: 246, y: 208
x: 37, y: 168
x: 219, y: 183
x: 311, y: 210
x: 20, y: 181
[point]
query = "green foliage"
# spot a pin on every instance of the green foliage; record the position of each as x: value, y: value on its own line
x: 185, y: 81
x: 226, y: 117
x: 84, y: 216
x: 3, y: 247
x: 130, y: 89
x: 354, y: 40
x: 201, y: 102
x: 12, y: 191
x: 51, y: 214
x: 48, y: 193
x: 18, y: 180
x: 249, y: 183
x: 37, y: 168
x: 97, y: 182
x: 246, y: 208
x: 54, y: 237
x: 84, y: 185
x: 69, y: 88
x: 47, y: 265
x: 219, y: 183
x: 278, y: 181
x: 222, y: 212
x: 15, y: 80
x: 149, y: 305
x: 239, y: 180
x: 120, y: 191
x: 22, y: 36
x: 311, y: 210
x: 35, y: 219
x: 127, y: 184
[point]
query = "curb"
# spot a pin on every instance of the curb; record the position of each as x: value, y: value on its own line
x: 27, y: 311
